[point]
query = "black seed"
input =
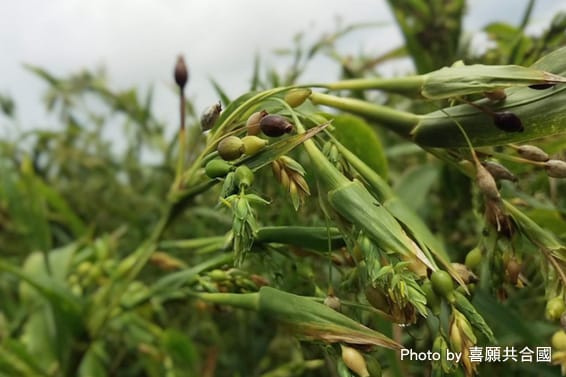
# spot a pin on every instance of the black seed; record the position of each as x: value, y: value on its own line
x: 508, y: 122
x: 275, y: 125
x: 541, y: 86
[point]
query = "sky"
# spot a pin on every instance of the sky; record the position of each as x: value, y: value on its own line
x: 137, y: 41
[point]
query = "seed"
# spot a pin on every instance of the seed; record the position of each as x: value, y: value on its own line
x: 513, y: 270
x: 230, y: 148
x: 559, y: 340
x: 507, y: 121
x: 554, y: 308
x: 432, y: 299
x: 354, y: 361
x: 442, y: 283
x: 252, y: 124
x: 332, y: 302
x: 555, y: 168
x: 374, y: 367
x: 275, y: 125
x: 541, y: 86
x: 217, y: 168
x: 253, y: 144
x: 499, y: 171
x: 297, y: 97
x: 244, y: 176
x: 486, y: 183
x: 473, y: 258
x: 496, y: 95
x: 532, y: 153
x: 181, y: 72
x: 210, y: 116
x: 377, y: 298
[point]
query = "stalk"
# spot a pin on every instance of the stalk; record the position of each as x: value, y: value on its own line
x: 397, y: 121
x: 409, y: 85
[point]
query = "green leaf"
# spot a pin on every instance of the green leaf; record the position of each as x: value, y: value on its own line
x: 356, y: 135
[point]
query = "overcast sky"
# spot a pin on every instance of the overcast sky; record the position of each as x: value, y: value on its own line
x: 138, y: 40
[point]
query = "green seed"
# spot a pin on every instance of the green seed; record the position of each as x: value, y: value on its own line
x: 217, y: 168
x: 253, y: 144
x: 473, y: 258
x: 559, y: 340
x: 297, y: 97
x: 554, y: 308
x: 442, y: 283
x: 244, y: 176
x: 230, y: 148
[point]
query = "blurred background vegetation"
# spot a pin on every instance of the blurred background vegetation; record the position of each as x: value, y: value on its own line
x: 73, y: 208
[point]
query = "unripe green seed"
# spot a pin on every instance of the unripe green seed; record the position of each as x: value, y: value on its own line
x: 554, y: 308
x: 252, y: 124
x: 555, y: 168
x: 559, y: 340
x: 473, y: 258
x: 244, y: 176
x: 253, y: 144
x: 532, y: 153
x: 296, y: 97
x: 442, y: 283
x: 230, y: 148
x: 374, y: 367
x: 432, y: 299
x: 217, y: 168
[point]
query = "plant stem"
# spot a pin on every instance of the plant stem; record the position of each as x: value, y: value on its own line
x: 409, y: 85
x: 398, y: 121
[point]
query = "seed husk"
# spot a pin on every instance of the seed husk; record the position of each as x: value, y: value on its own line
x: 210, y: 116
x: 230, y: 148
x: 275, y: 125
x: 486, y: 183
x: 252, y: 124
x: 507, y: 121
x: 354, y: 361
x: 499, y: 171
x: 555, y: 168
x: 532, y: 153
x: 181, y: 73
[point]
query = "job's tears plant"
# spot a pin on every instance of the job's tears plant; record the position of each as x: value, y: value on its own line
x: 281, y: 222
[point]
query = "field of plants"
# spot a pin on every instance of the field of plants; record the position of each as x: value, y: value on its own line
x: 364, y: 226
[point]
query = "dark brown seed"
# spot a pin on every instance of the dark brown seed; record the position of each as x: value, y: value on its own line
x: 181, y: 72
x: 541, y: 86
x: 275, y: 125
x: 507, y: 121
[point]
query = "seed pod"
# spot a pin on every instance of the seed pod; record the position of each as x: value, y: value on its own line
x: 495, y: 95
x: 499, y: 171
x: 230, y: 148
x: 555, y: 168
x: 210, y: 116
x: 354, y: 361
x: 252, y: 124
x: 217, y: 168
x: 244, y: 176
x: 253, y: 144
x: 296, y: 97
x: 486, y: 183
x: 181, y: 72
x: 275, y: 125
x: 507, y: 121
x: 532, y: 153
